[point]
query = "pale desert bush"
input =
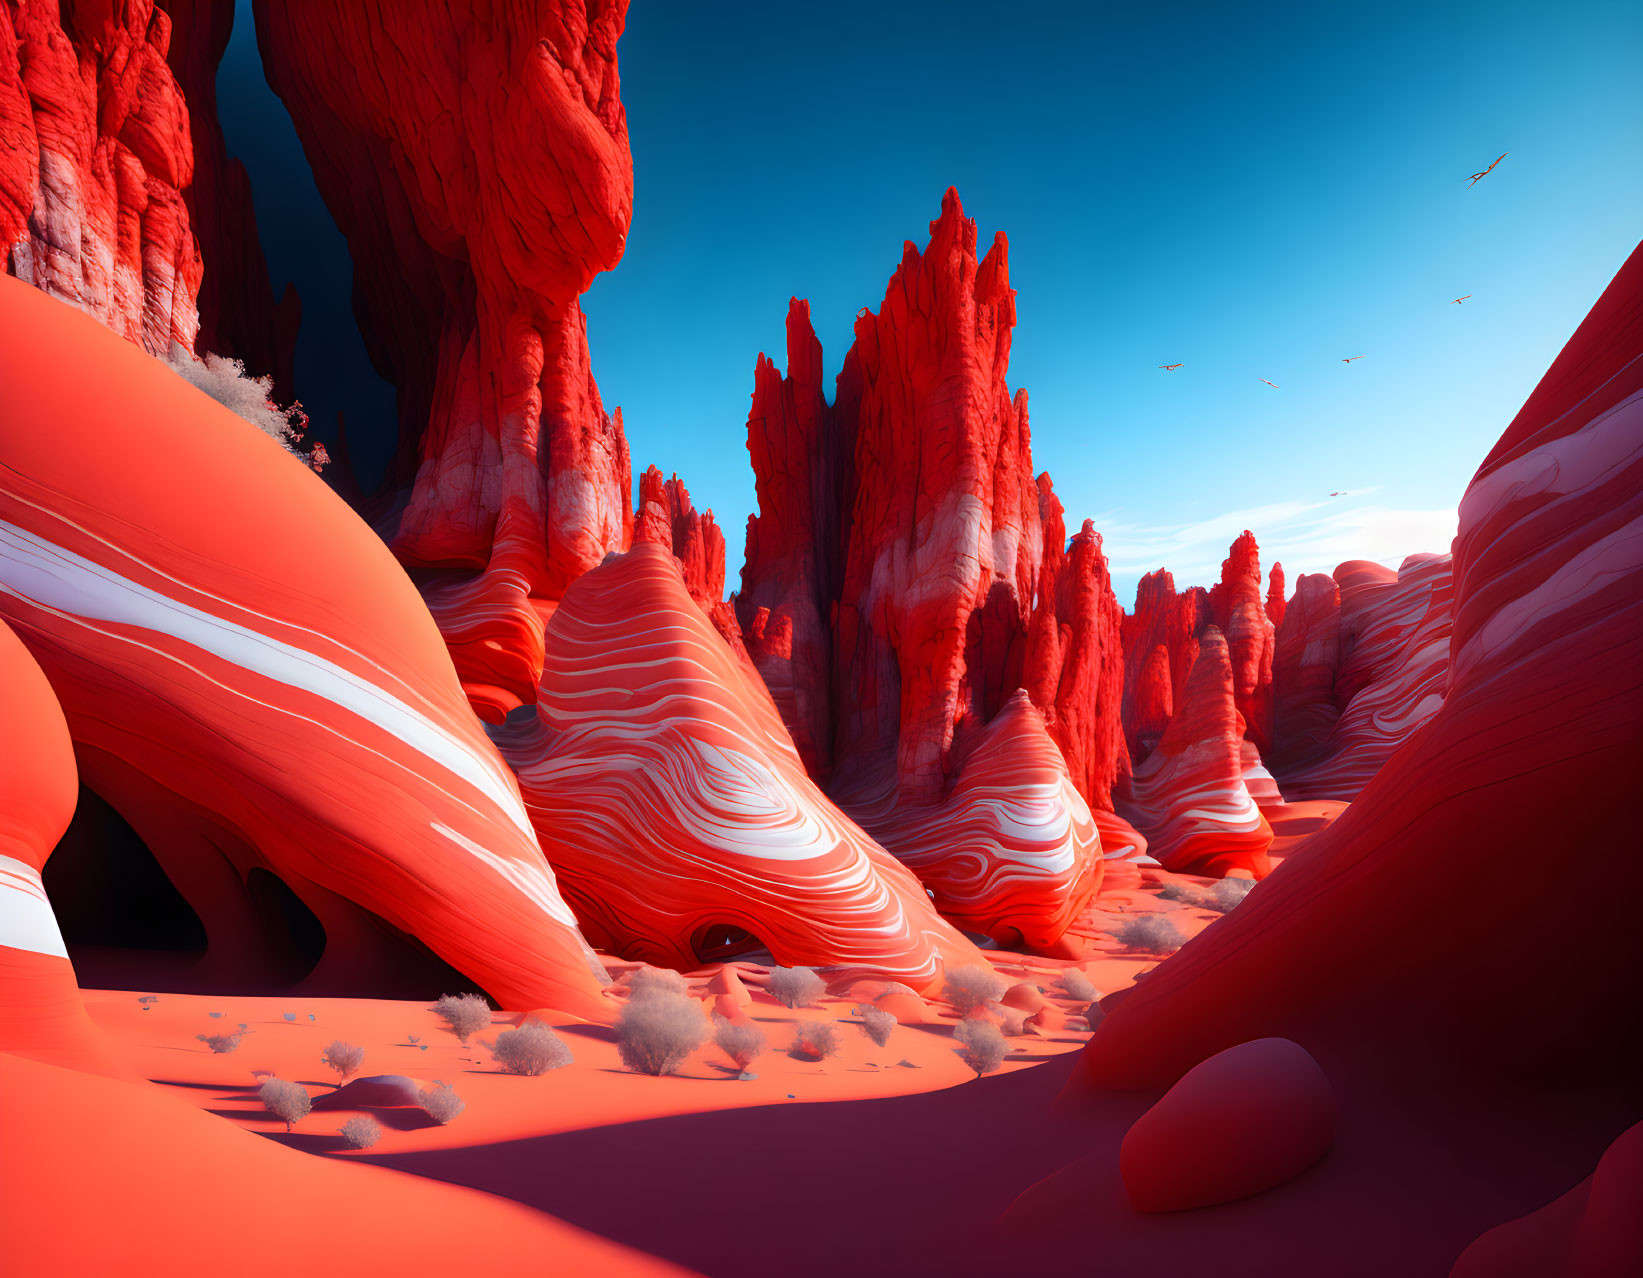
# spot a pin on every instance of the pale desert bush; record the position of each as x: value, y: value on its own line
x: 440, y: 1102
x: 1180, y: 891
x: 742, y: 1043
x: 1226, y: 895
x: 223, y: 1043
x: 1077, y: 986
x: 463, y: 1014
x: 644, y: 981
x: 972, y: 986
x: 982, y: 1045
x: 1154, y: 933
x: 876, y: 1023
x: 344, y: 1058
x: 286, y: 1101
x: 248, y: 397
x: 795, y: 986
x: 361, y: 1132
x: 655, y: 1033
x: 813, y: 1041
x: 531, y: 1049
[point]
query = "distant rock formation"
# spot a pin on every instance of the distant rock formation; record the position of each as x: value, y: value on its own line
x: 1532, y: 754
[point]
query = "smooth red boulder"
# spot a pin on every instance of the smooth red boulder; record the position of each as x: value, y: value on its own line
x: 482, y: 176
x: 1245, y: 1120
x: 94, y: 156
x: 1593, y: 1231
x: 1530, y: 761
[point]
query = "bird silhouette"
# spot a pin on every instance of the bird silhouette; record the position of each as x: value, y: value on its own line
x: 1169, y: 367
x: 1342, y: 494
x: 1274, y: 385
x: 1459, y: 300
x: 1350, y: 358
x: 1478, y: 177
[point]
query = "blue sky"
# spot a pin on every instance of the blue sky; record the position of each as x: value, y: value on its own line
x: 1249, y: 194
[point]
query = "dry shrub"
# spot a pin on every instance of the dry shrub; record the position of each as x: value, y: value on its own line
x: 361, y: 1132
x: 644, y: 981
x: 286, y: 1101
x: 742, y: 1043
x: 344, y: 1058
x: 531, y: 1049
x: 223, y: 1043
x: 655, y: 1033
x: 463, y: 1014
x: 982, y: 1045
x: 813, y: 1041
x: 795, y: 986
x: 973, y: 986
x: 1154, y: 933
x: 876, y: 1023
x: 440, y: 1102
x: 1077, y: 986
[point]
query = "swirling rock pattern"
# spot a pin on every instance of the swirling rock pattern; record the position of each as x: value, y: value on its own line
x: 94, y: 155
x: 1013, y: 852
x: 670, y: 799
x: 1533, y: 752
x: 482, y: 176
x: 1189, y: 796
x: 1393, y: 649
x: 251, y: 680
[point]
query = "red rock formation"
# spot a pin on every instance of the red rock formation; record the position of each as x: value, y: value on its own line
x: 667, y: 518
x: 238, y: 314
x: 40, y: 1009
x: 251, y: 681
x: 676, y: 811
x: 1532, y: 754
x: 1236, y: 607
x: 1275, y: 603
x: 803, y: 467
x: 1188, y: 797
x: 1153, y: 679
x: 482, y: 178
x: 1304, y: 665
x: 94, y: 155
x: 906, y: 573
x: 1394, y: 666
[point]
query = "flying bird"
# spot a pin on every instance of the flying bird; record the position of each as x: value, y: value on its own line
x: 1169, y: 367
x: 1350, y: 358
x: 1341, y: 494
x: 1478, y: 177
x: 1274, y: 385
x: 1459, y: 300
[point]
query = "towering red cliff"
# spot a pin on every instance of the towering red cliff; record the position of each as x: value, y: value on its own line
x: 667, y: 518
x: 907, y: 573
x: 1237, y: 609
x: 1529, y: 760
x: 482, y: 176
x: 94, y: 155
x: 239, y: 316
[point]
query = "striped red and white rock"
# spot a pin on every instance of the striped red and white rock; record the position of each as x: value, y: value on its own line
x: 669, y: 797
x: 1532, y: 753
x: 667, y: 518
x: 1189, y: 796
x: 253, y: 683
x: 1391, y: 641
x: 482, y: 177
x: 94, y: 155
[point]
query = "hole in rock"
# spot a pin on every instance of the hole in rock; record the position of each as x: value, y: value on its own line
x: 109, y: 892
x: 721, y: 942
x: 283, y: 914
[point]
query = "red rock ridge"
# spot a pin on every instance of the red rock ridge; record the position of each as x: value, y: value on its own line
x: 482, y: 177
x: 94, y: 154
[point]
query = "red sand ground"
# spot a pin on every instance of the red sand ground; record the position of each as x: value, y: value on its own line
x: 859, y: 1164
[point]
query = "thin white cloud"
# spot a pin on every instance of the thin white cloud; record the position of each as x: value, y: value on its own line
x: 1305, y: 536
